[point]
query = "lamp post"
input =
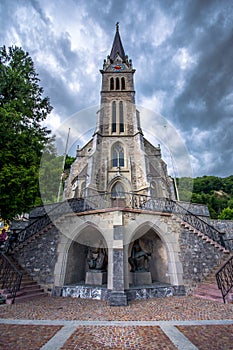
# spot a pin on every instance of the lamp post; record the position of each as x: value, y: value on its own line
x: 63, y: 166
x: 173, y: 166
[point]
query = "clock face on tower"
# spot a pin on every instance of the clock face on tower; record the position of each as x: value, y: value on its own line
x: 117, y: 67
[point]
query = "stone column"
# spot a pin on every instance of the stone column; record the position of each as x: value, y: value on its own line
x: 118, y: 296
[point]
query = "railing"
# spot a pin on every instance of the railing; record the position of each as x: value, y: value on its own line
x: 200, y: 225
x: 120, y: 200
x: 224, y: 278
x: 73, y: 205
x: 162, y: 205
x: 10, y: 277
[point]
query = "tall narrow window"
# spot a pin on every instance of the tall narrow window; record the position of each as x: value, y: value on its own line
x: 111, y: 84
x: 114, y: 116
x: 118, y: 190
x: 121, y: 117
x: 117, y: 84
x: 122, y: 83
x: 118, y: 155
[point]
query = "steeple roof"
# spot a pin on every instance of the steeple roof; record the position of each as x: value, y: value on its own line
x: 117, y: 47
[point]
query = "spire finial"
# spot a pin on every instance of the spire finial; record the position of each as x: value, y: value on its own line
x: 117, y: 26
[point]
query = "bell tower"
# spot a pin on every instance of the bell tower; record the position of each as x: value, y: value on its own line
x: 117, y: 74
x: 117, y: 93
x: 118, y: 160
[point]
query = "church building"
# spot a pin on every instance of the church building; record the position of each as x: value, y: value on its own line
x: 120, y: 232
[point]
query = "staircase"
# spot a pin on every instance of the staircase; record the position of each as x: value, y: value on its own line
x: 203, y: 236
x: 29, y: 289
x: 209, y: 289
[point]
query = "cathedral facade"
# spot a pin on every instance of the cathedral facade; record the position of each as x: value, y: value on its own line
x: 125, y: 241
x: 120, y: 232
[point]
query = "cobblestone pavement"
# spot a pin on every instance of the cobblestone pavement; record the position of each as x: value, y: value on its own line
x: 184, y: 323
x: 208, y: 337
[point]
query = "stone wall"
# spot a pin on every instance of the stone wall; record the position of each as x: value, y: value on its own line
x: 38, y: 258
x: 226, y: 227
x: 198, y: 258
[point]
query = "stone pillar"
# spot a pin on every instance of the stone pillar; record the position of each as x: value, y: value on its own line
x: 118, y: 296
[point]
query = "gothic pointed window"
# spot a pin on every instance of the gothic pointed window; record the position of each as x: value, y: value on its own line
x: 118, y: 159
x: 153, y: 189
x: 121, y: 116
x: 114, y: 116
x: 118, y: 190
x: 111, y: 84
x: 122, y: 83
x: 117, y: 84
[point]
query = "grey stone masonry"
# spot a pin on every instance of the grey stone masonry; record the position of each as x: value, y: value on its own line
x: 39, y: 256
x: 226, y: 227
x: 117, y: 296
x: 198, y: 258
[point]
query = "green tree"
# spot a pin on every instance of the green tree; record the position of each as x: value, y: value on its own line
x: 50, y: 174
x: 226, y: 214
x: 22, y: 138
x: 228, y: 185
x: 206, y: 184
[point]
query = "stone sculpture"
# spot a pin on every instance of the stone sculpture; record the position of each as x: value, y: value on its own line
x: 139, y: 259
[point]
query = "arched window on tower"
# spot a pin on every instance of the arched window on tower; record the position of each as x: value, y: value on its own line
x: 111, y: 84
x: 117, y: 84
x: 121, y: 117
x: 114, y: 116
x: 122, y: 83
x: 118, y: 195
x: 118, y: 155
x: 118, y: 190
x: 153, y: 189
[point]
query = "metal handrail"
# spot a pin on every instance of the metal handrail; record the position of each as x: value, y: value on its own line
x: 73, y: 205
x: 120, y: 200
x: 224, y: 278
x: 10, y: 277
x: 200, y: 225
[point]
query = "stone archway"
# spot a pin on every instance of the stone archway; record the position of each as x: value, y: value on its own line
x: 156, y: 259
x: 167, y: 265
x: 71, y: 266
x: 78, y: 264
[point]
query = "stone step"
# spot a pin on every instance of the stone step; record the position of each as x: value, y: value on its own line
x: 28, y: 282
x: 208, y: 290
x: 24, y: 291
x: 200, y: 234
x: 209, y: 297
x: 29, y: 288
x: 26, y: 297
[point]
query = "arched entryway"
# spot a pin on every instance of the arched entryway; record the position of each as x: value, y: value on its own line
x: 147, y: 253
x: 87, y: 252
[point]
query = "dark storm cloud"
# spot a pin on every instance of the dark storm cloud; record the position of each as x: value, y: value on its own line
x: 206, y: 103
x: 182, y: 52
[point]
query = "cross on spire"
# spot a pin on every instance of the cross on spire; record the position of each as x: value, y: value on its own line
x: 117, y: 47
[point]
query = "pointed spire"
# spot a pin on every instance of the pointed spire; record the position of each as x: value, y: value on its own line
x: 117, y: 47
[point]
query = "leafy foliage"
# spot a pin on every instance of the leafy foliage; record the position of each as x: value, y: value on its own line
x: 53, y: 176
x: 22, y: 138
x: 226, y: 214
x: 215, y: 192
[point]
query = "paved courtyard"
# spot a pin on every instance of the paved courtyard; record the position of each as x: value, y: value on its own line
x: 50, y: 323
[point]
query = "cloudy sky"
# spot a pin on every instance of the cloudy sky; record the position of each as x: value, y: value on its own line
x: 182, y: 52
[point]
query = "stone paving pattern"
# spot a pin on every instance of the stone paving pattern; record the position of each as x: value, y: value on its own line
x: 207, y: 337
x: 158, y: 309
x: 24, y: 337
x: 113, y: 336
x: 99, y: 338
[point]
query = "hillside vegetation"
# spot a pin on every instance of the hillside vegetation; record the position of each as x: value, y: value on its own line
x: 215, y: 192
